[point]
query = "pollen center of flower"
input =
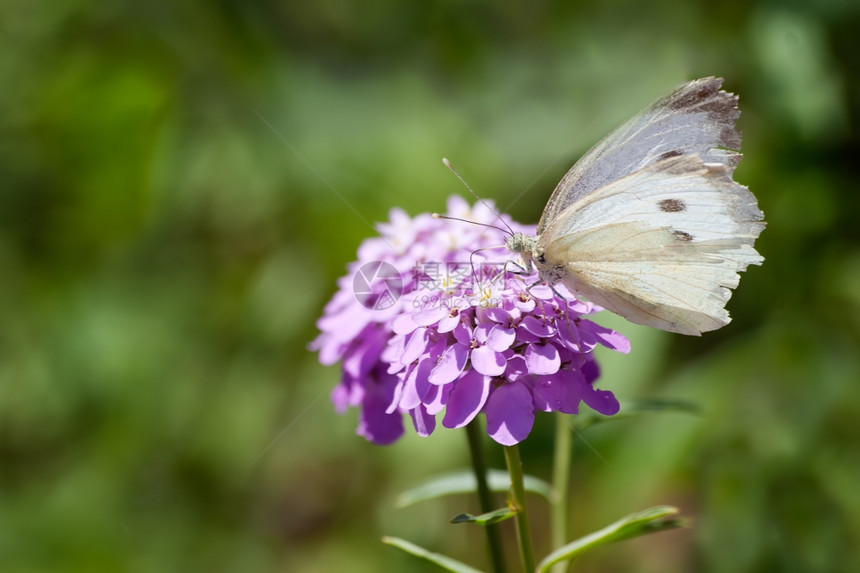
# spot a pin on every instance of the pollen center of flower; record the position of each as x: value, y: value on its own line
x: 486, y: 297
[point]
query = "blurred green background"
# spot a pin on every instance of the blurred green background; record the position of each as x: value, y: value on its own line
x: 164, y: 255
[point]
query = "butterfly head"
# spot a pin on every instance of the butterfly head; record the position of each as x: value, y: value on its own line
x: 521, y: 244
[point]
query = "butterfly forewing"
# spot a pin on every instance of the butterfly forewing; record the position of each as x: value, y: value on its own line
x: 695, y: 118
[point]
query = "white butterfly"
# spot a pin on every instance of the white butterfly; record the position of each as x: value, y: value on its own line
x: 649, y: 223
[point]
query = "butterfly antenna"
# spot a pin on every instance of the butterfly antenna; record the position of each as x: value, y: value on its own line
x: 449, y: 218
x: 450, y: 167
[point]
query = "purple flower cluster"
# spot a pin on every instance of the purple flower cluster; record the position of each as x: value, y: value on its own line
x: 434, y: 315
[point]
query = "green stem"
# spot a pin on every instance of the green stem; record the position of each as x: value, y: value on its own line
x: 517, y: 503
x: 485, y: 497
x: 560, y: 501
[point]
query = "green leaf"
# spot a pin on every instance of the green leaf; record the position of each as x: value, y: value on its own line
x: 464, y: 482
x: 489, y: 518
x: 446, y: 563
x: 648, y: 521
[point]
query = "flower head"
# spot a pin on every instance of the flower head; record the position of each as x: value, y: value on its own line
x: 435, y: 316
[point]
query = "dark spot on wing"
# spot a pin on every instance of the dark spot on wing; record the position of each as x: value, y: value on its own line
x: 671, y: 205
x: 668, y: 154
x: 682, y: 235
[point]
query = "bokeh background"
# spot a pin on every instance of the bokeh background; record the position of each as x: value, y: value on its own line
x: 181, y: 184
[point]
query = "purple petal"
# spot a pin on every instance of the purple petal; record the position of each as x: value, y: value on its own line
x: 393, y: 352
x: 542, y: 359
x: 395, y: 398
x: 497, y: 314
x: 592, y: 334
x: 424, y: 422
x: 609, y: 338
x: 449, y: 321
x: 527, y: 337
x: 482, y: 331
x: 450, y: 365
x: 568, y: 335
x: 578, y: 306
x: 370, y: 351
x: 403, y: 324
x: 602, y: 401
x: 429, y: 316
x: 560, y: 392
x: 416, y: 385
x: 345, y: 325
x: 542, y: 292
x: 500, y: 338
x: 515, y: 368
x: 462, y: 334
x: 437, y: 398
x: 573, y: 359
x: 466, y: 399
x: 364, y: 354
x: 565, y: 293
x: 340, y: 398
x: 590, y: 369
x: 458, y: 207
x: 353, y: 389
x: 526, y: 305
x: 330, y: 350
x: 536, y: 327
x: 436, y: 349
x: 415, y: 346
x: 510, y: 414
x: 374, y: 423
x: 487, y: 361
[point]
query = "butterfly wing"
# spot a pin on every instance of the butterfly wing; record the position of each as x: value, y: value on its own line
x: 661, y: 247
x: 695, y: 118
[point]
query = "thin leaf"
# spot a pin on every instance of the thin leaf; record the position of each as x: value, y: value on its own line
x: 489, y: 518
x: 648, y: 521
x: 464, y: 482
x: 442, y: 561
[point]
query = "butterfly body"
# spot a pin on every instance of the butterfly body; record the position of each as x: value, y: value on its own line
x: 649, y: 223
